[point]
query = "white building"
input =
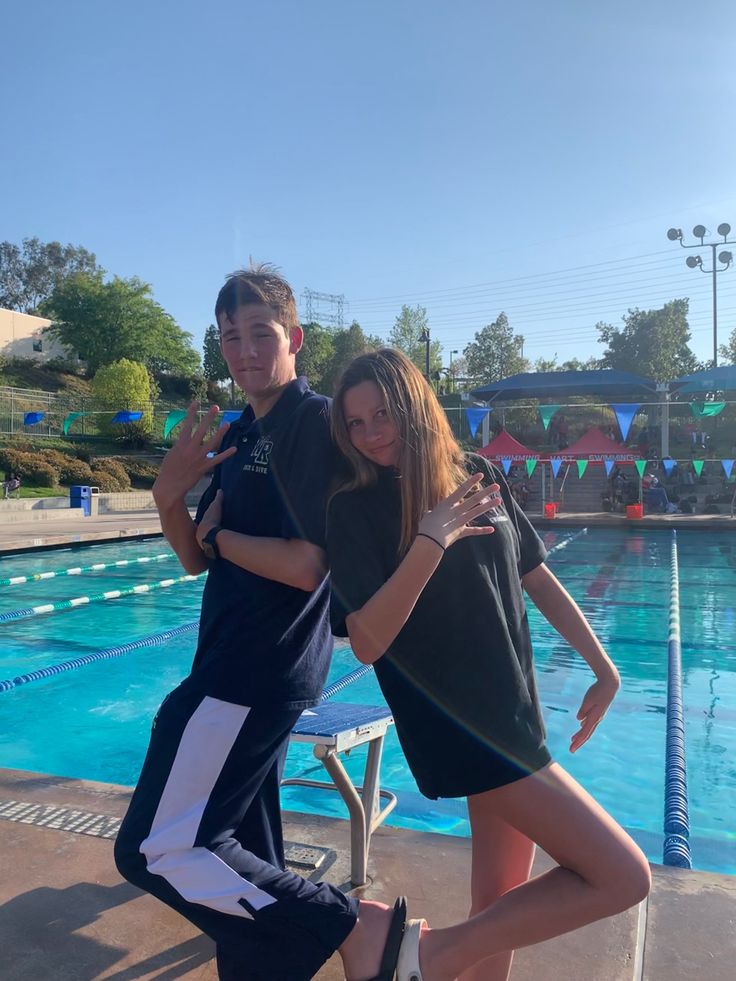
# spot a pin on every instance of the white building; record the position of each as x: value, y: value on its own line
x: 21, y: 336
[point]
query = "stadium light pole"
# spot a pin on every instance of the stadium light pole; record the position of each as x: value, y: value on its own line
x: 425, y: 340
x: 696, y: 262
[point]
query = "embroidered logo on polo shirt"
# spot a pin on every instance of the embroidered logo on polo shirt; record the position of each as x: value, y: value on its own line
x: 262, y: 451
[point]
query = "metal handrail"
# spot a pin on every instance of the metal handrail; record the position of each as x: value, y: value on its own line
x: 562, y: 485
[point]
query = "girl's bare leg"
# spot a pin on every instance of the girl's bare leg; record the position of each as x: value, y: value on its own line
x: 601, y: 871
x: 502, y: 859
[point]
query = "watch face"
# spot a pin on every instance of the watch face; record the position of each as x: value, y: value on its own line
x: 208, y: 550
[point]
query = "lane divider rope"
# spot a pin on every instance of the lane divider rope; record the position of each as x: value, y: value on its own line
x: 676, y: 848
x: 567, y: 541
x: 79, y: 570
x: 33, y: 611
x: 109, y: 652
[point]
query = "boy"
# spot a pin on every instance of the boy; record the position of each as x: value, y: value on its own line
x: 203, y: 831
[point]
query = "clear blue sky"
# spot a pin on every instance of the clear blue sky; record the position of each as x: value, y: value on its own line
x: 394, y: 152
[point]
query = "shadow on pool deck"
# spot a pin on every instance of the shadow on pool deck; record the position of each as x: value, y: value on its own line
x: 67, y: 916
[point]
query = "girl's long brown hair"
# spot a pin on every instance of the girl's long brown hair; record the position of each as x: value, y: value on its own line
x: 430, y: 461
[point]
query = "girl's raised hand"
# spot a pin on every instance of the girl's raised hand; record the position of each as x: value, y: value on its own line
x: 450, y: 519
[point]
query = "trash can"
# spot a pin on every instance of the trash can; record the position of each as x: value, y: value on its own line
x: 79, y: 497
x: 634, y: 511
x: 94, y: 501
x: 550, y: 509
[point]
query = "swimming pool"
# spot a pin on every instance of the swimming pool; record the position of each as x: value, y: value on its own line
x: 94, y: 722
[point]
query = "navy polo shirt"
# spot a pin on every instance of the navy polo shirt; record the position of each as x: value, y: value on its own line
x: 262, y: 642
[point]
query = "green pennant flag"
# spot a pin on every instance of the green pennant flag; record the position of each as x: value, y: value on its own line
x: 704, y: 409
x: 546, y: 412
x: 582, y: 466
x: 641, y: 466
x: 69, y: 421
x: 530, y: 465
x: 172, y: 420
x: 698, y: 466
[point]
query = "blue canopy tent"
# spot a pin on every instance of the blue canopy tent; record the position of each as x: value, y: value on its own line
x: 606, y: 382
x: 721, y: 379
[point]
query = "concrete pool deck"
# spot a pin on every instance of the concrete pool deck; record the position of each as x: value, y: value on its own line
x: 72, y: 528
x: 65, y: 913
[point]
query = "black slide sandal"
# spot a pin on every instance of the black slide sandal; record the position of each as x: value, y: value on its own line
x: 393, y: 942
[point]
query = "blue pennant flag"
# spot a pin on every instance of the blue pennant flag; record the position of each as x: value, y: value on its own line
x: 625, y: 415
x: 230, y: 415
x: 506, y: 462
x: 125, y: 416
x: 556, y: 464
x: 475, y: 417
x: 727, y: 467
x: 32, y: 418
x: 669, y: 466
x: 609, y: 464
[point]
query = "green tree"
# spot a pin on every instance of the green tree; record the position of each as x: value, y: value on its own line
x: 29, y: 273
x: 496, y: 352
x: 315, y: 358
x: 120, y: 385
x: 103, y: 322
x: 406, y: 333
x: 574, y: 364
x: 728, y: 351
x: 214, y: 366
x: 348, y: 343
x: 652, y: 343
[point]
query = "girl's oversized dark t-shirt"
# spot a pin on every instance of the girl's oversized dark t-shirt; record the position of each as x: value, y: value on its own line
x: 459, y: 676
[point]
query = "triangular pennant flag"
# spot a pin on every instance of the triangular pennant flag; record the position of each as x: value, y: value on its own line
x: 625, y: 416
x: 125, y: 415
x: 582, y: 466
x: 727, y: 467
x: 669, y: 465
x: 556, y: 464
x: 546, y: 412
x: 641, y: 466
x: 230, y: 415
x: 698, y: 466
x: 706, y: 409
x: 530, y: 465
x: 475, y: 416
x: 32, y: 418
x: 506, y: 462
x: 609, y: 464
x: 70, y: 419
x: 172, y: 420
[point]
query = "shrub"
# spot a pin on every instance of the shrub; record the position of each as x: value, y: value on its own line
x: 136, y: 435
x: 39, y: 474
x: 75, y: 472
x: 140, y: 472
x: 115, y: 468
x: 108, y: 483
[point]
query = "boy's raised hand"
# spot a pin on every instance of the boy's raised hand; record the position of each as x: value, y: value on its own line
x: 188, y: 459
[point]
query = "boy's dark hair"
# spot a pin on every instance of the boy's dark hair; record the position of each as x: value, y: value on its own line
x: 259, y: 284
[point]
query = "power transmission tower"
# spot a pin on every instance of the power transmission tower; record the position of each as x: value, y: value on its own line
x: 324, y: 308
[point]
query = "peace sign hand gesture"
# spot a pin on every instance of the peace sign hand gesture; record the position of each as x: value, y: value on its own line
x: 450, y: 519
x: 188, y: 458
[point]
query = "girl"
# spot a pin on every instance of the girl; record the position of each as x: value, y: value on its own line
x: 429, y: 554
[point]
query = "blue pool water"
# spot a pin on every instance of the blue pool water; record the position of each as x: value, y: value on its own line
x: 94, y: 722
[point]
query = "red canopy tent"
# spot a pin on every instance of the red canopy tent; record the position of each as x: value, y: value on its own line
x: 505, y: 447
x: 597, y: 447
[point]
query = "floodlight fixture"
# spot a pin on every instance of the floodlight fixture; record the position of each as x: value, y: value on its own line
x: 674, y: 234
x: 725, y: 257
x: 700, y: 231
x: 724, y: 229
x: 693, y: 261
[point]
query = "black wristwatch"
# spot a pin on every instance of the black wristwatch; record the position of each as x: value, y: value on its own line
x: 209, y: 543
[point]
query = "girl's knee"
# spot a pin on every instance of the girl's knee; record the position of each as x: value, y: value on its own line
x: 632, y: 883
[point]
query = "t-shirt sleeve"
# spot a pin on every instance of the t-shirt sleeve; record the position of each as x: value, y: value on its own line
x: 356, y: 572
x: 308, y: 477
x: 531, y: 547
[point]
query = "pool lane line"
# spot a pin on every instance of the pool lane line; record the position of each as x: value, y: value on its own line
x: 79, y: 570
x: 567, y: 541
x: 676, y: 848
x: 78, y: 662
x: 33, y: 611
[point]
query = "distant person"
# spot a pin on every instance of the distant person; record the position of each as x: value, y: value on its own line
x: 11, y: 484
x: 656, y: 498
